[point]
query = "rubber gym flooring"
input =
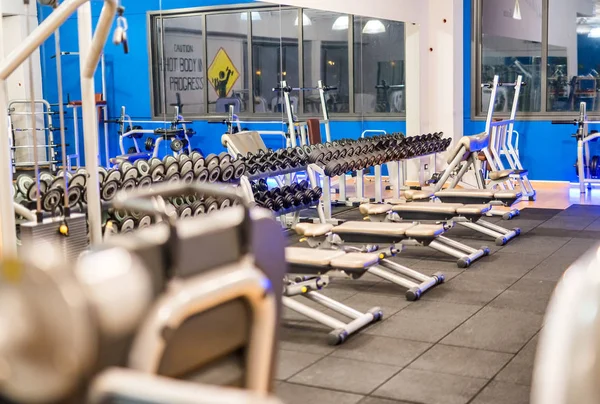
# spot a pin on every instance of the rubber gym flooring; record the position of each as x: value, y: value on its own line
x: 470, y: 340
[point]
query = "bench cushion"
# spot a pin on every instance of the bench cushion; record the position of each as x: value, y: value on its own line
x: 468, y: 193
x: 473, y: 210
x: 498, y: 175
x: 311, y: 257
x: 374, y: 208
x: 313, y: 229
x: 355, y: 260
x: 373, y: 228
x: 425, y: 231
x: 443, y: 208
x: 508, y: 194
x: 414, y: 195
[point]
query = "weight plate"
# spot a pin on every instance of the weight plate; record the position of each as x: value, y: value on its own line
x: 153, y: 162
x: 214, y: 174
x: 158, y: 172
x: 51, y: 200
x: 239, y: 170
x: 224, y: 157
x: 144, y: 182
x: 136, y: 214
x: 131, y: 173
x: 81, y: 170
x: 198, y: 208
x: 75, y: 194
x: 113, y: 175
x: 176, y: 145
x: 185, y: 212
x: 108, y: 190
x: 46, y: 177
x: 78, y: 179
x: 186, y: 166
x: 594, y: 168
x: 188, y: 177
x: 198, y: 166
x: 195, y: 156
x: 144, y: 221
x: 174, y: 179
x: 128, y: 184
x: 183, y: 158
x: 202, y: 175
x: 225, y: 203
x: 23, y: 183
x: 172, y: 169
x: 211, y: 205
x: 32, y: 190
x: 227, y: 173
x: 178, y: 201
x: 168, y: 160
x: 142, y: 166
x: 58, y: 183
x: 124, y: 166
x: 211, y: 161
x: 127, y: 226
x: 119, y: 215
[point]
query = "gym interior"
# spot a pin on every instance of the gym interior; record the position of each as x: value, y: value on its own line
x: 282, y: 202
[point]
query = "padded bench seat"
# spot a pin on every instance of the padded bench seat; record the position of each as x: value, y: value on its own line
x: 374, y: 228
x: 472, y: 196
x: 427, y: 210
x: 498, y: 175
x: 310, y: 260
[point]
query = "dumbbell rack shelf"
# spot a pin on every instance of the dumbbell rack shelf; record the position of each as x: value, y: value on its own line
x: 276, y: 173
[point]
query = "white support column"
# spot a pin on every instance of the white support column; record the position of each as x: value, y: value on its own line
x: 445, y: 70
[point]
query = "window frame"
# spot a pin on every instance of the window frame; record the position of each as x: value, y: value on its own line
x: 154, y: 17
x: 476, y: 59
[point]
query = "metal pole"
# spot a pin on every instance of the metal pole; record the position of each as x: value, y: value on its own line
x: 61, y: 120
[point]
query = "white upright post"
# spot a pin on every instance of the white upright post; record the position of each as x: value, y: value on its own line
x: 90, y: 125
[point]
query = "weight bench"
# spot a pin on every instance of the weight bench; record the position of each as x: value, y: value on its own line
x: 316, y: 263
x: 468, y: 196
x: 429, y: 235
x: 469, y: 216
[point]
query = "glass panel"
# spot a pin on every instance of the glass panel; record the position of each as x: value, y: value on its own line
x: 379, y: 68
x: 326, y: 58
x: 512, y: 46
x: 183, y: 73
x: 275, y: 57
x: 573, y: 55
x: 227, y: 57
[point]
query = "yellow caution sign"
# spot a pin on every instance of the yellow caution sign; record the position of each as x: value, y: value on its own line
x: 222, y: 74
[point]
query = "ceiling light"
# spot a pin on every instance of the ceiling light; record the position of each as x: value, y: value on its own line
x: 255, y: 16
x: 341, y: 23
x: 594, y: 33
x: 305, y: 20
x: 517, y: 11
x: 373, y: 27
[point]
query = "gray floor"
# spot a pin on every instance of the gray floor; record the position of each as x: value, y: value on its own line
x: 471, y: 340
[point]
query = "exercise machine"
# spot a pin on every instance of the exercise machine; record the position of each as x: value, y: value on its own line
x: 144, y: 300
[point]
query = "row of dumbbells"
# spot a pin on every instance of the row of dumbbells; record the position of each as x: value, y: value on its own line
x: 123, y: 221
x: 294, y: 196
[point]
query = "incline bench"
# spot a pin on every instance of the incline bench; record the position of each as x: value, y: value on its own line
x: 469, y: 216
x: 314, y: 264
x: 429, y: 235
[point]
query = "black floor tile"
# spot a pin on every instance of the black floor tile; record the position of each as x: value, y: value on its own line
x: 426, y: 387
x: 304, y: 339
x: 568, y: 222
x: 552, y: 268
x: 345, y: 374
x: 496, y: 330
x: 541, y: 246
x: 520, y: 369
x: 470, y: 288
x: 529, y: 295
x: 424, y: 321
x: 503, y: 393
x: 390, y: 304
x: 378, y: 400
x: 384, y: 350
x: 510, y: 264
x: 292, y: 362
x: 462, y: 361
x: 577, y: 247
x: 296, y: 394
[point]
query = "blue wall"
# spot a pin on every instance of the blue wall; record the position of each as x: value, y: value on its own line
x: 547, y: 151
x: 128, y: 79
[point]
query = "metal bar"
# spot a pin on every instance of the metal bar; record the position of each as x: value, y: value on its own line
x: 436, y: 245
x: 481, y: 229
x: 544, y: 65
x: 351, y: 95
x: 301, y: 106
x: 250, y: 71
x: 383, y: 274
x: 333, y: 305
x: 457, y: 245
x: 405, y: 271
x: 76, y: 136
x: 378, y: 185
x: 313, y: 314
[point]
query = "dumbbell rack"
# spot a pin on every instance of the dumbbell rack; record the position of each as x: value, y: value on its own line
x: 248, y: 194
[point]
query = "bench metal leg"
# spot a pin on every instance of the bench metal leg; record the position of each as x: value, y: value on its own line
x: 341, y: 331
x: 415, y: 289
x: 466, y: 255
x: 507, y: 234
x: 481, y: 229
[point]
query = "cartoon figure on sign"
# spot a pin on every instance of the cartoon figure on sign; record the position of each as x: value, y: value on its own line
x: 222, y: 74
x: 220, y: 83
